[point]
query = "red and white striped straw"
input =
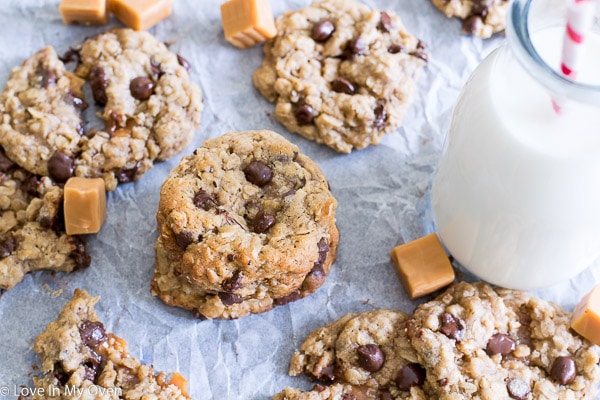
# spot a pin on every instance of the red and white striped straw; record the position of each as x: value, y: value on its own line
x: 580, y: 17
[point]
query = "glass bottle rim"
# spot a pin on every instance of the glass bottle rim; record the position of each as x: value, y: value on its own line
x: 517, y: 32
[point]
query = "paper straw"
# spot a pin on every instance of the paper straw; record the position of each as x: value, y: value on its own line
x: 580, y: 17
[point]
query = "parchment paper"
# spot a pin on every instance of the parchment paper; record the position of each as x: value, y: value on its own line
x: 382, y: 191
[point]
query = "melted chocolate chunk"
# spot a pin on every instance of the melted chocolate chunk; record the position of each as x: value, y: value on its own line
x: 287, y: 299
x: 258, y: 173
x: 385, y: 395
x: 79, y: 254
x: 518, y: 389
x: 410, y: 375
x: 60, y: 166
x: 327, y: 374
x: 314, y: 279
x: 234, y: 283
x: 263, y: 222
x: 500, y: 343
x: 99, y: 83
x: 203, y: 200
x: 184, y: 63
x: 370, y: 357
x: 354, y: 48
x: 59, y: 373
x: 322, y: 30
x: 126, y: 175
x: 380, y: 116
x: 230, y: 298
x: 49, y: 77
x: 343, y: 85
x: 71, y: 55
x: 184, y: 239
x: 452, y: 327
x: 348, y: 396
x: 385, y: 24
x: 89, y: 372
x: 7, y: 247
x: 141, y: 88
x: 198, y: 315
x: 5, y: 163
x: 304, y: 114
x: 31, y: 185
x: 563, y: 370
x: 480, y: 7
x: 92, y: 334
x: 472, y: 24
x: 156, y: 69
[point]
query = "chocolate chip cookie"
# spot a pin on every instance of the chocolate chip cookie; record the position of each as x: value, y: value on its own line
x: 81, y: 360
x: 246, y: 223
x: 481, y: 18
x: 340, y: 73
x: 367, y: 356
x: 32, y: 234
x: 149, y: 106
x: 477, y: 342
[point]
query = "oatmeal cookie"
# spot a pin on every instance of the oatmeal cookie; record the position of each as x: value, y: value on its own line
x: 149, y: 106
x: 340, y: 73
x: 32, y: 234
x: 367, y: 355
x: 79, y: 359
x: 479, y: 343
x: 245, y: 223
x: 481, y: 18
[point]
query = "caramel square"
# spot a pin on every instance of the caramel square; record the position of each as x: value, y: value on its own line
x: 422, y: 266
x: 84, y: 12
x: 586, y: 317
x: 247, y: 22
x: 140, y: 14
x: 84, y: 205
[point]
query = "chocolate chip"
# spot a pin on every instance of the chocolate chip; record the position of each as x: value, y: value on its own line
x: 99, y: 83
x: 230, y: 298
x: 47, y: 222
x: 500, y: 343
x: 480, y: 7
x: 5, y: 163
x: 348, y: 396
x: 322, y: 30
x: 60, y: 166
x: 314, y: 279
x: 304, y: 114
x: 380, y: 116
x: 518, y: 389
x: 156, y: 69
x: 395, y: 48
x: 92, y: 333
x: 80, y: 255
x: 141, y: 88
x: 563, y: 370
x: 59, y: 373
x: 370, y: 357
x: 184, y: 63
x: 31, y: 185
x: 319, y: 388
x: 384, y: 395
x: 202, y: 199
x: 327, y: 374
x: 442, y: 382
x: 70, y: 55
x: 234, y: 283
x: 385, y: 23
x: 410, y: 375
x: 452, y: 327
x: 89, y: 373
x: 198, y: 315
x: 472, y: 24
x: 343, y: 85
x: 126, y: 175
x: 295, y: 295
x: 354, y: 48
x: 7, y: 247
x: 258, y: 173
x: 420, y: 54
x: 184, y: 239
x: 80, y: 128
x: 262, y: 222
x: 49, y: 77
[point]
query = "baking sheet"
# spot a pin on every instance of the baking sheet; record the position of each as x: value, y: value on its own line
x: 383, y: 194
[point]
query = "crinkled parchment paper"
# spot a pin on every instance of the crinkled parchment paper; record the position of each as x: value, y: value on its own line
x: 382, y: 192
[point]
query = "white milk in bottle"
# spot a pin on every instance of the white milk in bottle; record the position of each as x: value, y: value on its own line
x: 516, y: 196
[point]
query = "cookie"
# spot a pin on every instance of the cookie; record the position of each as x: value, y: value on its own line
x: 148, y: 104
x: 246, y: 223
x: 336, y: 391
x: 340, y: 73
x: 81, y: 360
x: 477, y: 342
x: 32, y: 234
x: 481, y: 18
x: 366, y: 355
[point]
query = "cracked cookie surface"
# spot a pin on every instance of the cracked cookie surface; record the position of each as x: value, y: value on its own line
x: 32, y: 235
x: 479, y: 343
x: 149, y: 106
x: 340, y: 73
x: 481, y: 18
x: 246, y: 223
x: 81, y: 360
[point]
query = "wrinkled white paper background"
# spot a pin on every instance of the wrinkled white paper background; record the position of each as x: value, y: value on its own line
x: 382, y: 192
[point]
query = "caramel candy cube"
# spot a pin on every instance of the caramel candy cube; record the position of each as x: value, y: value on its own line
x: 586, y: 317
x: 422, y: 266
x: 140, y: 14
x: 84, y: 205
x: 247, y: 22
x: 84, y: 12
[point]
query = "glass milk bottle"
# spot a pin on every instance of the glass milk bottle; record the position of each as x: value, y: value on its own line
x: 516, y: 195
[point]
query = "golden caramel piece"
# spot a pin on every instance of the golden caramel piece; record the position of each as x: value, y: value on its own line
x: 247, y: 22
x: 140, y: 14
x: 586, y: 317
x: 423, y: 266
x: 85, y: 205
x: 84, y: 12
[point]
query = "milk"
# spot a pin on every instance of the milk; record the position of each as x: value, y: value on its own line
x: 516, y: 197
